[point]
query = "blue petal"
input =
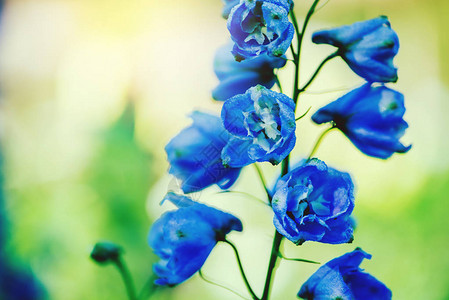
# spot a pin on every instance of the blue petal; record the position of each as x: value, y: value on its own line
x: 328, y: 196
x: 350, y: 261
x: 348, y: 34
x: 281, y: 153
x: 232, y: 114
x: 331, y: 280
x: 327, y: 284
x: 371, y: 117
x: 244, y: 26
x: 341, y: 233
x: 228, y: 180
x: 368, y: 47
x: 184, y: 238
x: 228, y: 6
x: 235, y: 153
x: 195, y: 153
x: 364, y: 286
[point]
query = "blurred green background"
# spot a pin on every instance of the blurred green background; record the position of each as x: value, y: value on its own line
x: 92, y: 90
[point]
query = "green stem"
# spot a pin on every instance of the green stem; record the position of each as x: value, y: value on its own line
x: 262, y: 179
x: 277, y: 240
x: 126, y: 276
x: 335, y: 54
x: 276, y: 245
x: 296, y: 56
x: 300, y: 36
x: 239, y: 262
x: 148, y: 288
x: 318, y: 142
x: 285, y: 165
x: 278, y: 83
x: 272, y: 264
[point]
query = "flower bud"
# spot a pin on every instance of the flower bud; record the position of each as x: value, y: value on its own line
x: 105, y: 252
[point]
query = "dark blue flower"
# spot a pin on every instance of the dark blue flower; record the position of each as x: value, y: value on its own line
x: 260, y: 26
x: 228, y: 5
x: 313, y: 203
x: 184, y: 238
x: 368, y: 48
x: 195, y: 154
x: 19, y: 283
x: 236, y: 77
x: 263, y: 125
x: 341, y: 278
x: 371, y: 117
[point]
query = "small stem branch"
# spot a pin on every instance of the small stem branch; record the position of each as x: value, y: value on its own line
x: 293, y: 53
x: 297, y: 259
x: 262, y: 179
x: 239, y: 262
x: 127, y: 279
x: 335, y: 54
x: 318, y: 142
x: 303, y: 115
x: 272, y: 264
x: 219, y: 285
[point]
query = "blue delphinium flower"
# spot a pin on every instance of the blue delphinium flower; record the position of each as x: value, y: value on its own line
x: 236, y: 77
x: 371, y: 117
x: 313, y: 203
x: 19, y: 284
x: 368, y: 48
x: 260, y: 26
x: 184, y: 238
x: 262, y: 123
x: 341, y: 278
x: 228, y: 5
x: 195, y: 154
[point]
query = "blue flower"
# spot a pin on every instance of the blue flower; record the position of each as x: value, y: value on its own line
x: 184, y: 238
x: 341, y: 278
x: 236, y: 77
x: 371, y: 117
x: 368, y: 48
x: 195, y: 154
x: 19, y: 284
x: 313, y: 203
x: 228, y: 5
x: 263, y: 125
x: 260, y: 26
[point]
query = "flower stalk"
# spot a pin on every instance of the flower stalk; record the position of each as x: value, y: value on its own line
x: 277, y: 240
x: 126, y: 277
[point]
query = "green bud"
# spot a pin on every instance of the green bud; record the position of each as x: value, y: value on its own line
x: 105, y: 252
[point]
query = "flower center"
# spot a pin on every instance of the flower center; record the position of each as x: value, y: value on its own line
x: 256, y: 27
x: 263, y: 124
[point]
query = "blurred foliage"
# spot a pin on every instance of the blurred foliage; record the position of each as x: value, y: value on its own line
x: 17, y: 281
x: 120, y: 175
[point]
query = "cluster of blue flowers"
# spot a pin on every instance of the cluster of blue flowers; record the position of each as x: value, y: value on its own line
x: 310, y: 202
